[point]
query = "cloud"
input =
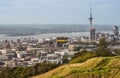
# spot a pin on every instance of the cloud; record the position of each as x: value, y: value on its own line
x: 52, y: 10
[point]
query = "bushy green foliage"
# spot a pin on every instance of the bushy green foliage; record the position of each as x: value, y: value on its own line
x: 102, y: 49
x: 25, y: 72
x: 82, y: 56
x: 65, y: 59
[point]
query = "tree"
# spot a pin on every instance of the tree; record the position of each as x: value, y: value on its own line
x: 65, y: 59
x: 5, y: 73
x: 102, y: 49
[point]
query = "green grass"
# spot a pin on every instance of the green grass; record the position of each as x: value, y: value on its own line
x: 99, y: 67
x: 81, y: 57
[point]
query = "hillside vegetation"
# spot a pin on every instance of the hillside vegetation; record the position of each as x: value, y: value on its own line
x: 99, y: 67
x: 82, y: 56
x: 27, y: 71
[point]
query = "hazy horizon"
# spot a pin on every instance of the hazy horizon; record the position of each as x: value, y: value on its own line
x: 22, y: 30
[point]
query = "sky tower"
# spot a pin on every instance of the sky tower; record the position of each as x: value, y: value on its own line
x: 91, y: 28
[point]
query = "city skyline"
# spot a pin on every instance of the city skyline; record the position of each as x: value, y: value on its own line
x: 58, y: 11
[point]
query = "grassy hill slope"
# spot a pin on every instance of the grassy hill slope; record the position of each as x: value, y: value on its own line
x: 100, y: 67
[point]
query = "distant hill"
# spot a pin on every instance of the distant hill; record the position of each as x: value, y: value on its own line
x: 32, y: 29
x: 99, y: 67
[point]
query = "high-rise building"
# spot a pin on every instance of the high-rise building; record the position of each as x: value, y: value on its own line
x: 116, y: 32
x: 91, y: 28
x: 92, y: 34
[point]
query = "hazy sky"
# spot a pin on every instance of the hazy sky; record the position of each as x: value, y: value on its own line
x: 59, y: 11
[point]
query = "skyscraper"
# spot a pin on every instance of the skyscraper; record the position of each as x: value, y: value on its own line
x: 91, y: 28
x: 116, y: 32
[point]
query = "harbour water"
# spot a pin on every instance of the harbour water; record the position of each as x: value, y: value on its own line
x: 49, y: 35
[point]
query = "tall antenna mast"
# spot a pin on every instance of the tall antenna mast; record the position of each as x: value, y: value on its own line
x: 91, y: 28
x: 90, y: 18
x: 90, y: 7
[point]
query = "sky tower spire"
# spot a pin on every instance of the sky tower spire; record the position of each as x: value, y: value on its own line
x: 91, y: 28
x: 90, y: 18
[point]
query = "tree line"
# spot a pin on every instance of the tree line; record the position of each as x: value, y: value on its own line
x: 25, y: 72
